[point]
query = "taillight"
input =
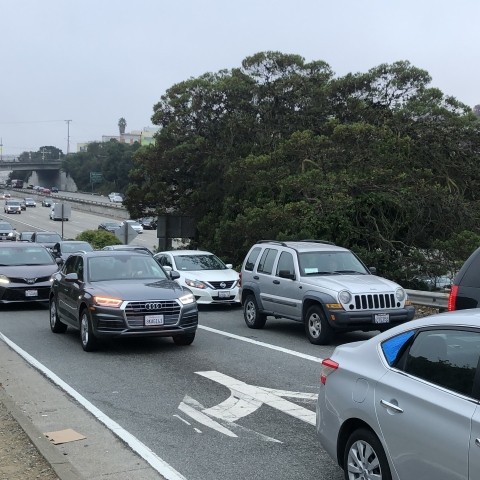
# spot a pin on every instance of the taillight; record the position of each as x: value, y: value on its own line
x: 452, y: 299
x: 328, y: 367
x: 240, y: 279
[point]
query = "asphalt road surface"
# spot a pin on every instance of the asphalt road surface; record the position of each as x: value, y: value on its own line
x: 237, y: 403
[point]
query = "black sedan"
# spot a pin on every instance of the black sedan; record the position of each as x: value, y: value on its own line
x: 109, y: 226
x: 108, y: 294
x: 7, y: 232
x: 148, y: 223
x: 25, y: 273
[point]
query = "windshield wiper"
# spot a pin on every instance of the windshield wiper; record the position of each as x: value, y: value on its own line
x: 354, y: 272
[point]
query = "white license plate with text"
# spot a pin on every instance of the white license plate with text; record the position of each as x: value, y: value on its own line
x: 31, y: 293
x: 154, y: 320
x: 382, y: 318
x: 224, y: 294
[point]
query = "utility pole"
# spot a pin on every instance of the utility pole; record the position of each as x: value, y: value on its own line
x: 68, y: 136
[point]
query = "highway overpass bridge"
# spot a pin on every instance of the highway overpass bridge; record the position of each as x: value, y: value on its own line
x: 46, y: 173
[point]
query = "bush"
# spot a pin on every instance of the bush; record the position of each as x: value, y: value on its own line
x: 98, y: 238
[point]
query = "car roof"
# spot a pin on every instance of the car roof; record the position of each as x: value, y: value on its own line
x: 186, y: 252
x: 305, y: 245
x: 21, y: 245
x: 107, y: 253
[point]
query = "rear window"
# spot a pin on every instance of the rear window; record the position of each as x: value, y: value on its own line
x: 471, y: 277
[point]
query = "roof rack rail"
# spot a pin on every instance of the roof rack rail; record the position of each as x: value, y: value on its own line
x: 283, y: 244
x: 318, y: 241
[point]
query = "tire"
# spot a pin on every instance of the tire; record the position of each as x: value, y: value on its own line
x: 183, y: 340
x: 55, y: 324
x: 87, y: 337
x: 317, y: 329
x: 251, y: 313
x: 364, y: 453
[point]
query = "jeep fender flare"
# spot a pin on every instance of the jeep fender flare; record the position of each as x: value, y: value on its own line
x: 249, y: 289
x: 313, y: 297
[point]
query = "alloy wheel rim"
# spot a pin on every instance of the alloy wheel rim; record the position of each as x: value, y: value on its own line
x: 53, y: 314
x: 84, y: 329
x: 250, y: 312
x: 314, y: 325
x: 363, y: 462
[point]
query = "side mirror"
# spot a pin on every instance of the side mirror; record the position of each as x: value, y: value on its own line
x: 174, y: 275
x: 71, y: 277
x: 373, y: 270
x: 229, y: 265
x: 59, y: 261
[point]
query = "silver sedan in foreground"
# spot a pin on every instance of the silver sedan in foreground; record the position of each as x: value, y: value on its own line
x: 405, y: 403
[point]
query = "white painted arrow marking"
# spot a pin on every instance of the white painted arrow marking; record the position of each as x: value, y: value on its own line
x: 245, y: 399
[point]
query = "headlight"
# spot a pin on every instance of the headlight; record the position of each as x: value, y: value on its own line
x: 345, y: 296
x: 195, y: 283
x: 107, y: 302
x: 400, y: 294
x: 187, y: 299
x: 4, y: 280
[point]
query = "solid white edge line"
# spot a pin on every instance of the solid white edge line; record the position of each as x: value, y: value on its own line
x: 136, y: 445
x: 262, y: 344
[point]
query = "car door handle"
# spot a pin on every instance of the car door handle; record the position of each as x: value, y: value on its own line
x: 276, y: 282
x: 477, y: 442
x: 386, y: 404
x: 256, y: 277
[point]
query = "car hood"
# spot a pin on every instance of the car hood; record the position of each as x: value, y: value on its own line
x: 352, y: 283
x: 5, y: 230
x: 136, y: 290
x: 210, y: 275
x: 28, y: 271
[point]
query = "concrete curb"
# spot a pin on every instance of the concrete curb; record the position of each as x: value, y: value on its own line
x: 62, y: 467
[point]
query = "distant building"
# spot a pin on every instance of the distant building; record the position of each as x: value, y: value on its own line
x: 144, y: 137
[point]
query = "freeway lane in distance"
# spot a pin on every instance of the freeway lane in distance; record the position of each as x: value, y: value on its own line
x: 220, y: 409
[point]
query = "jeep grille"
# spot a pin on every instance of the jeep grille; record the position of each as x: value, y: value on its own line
x: 374, y: 301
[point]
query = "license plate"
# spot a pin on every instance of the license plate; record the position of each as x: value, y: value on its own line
x: 382, y: 318
x: 31, y: 293
x: 224, y: 294
x: 154, y: 320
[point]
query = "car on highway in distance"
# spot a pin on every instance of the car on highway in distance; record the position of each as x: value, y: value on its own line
x: 30, y: 202
x: 382, y: 401
x: 59, y: 211
x: 12, y: 206
x: 109, y: 226
x: 107, y: 294
x: 134, y: 224
x: 7, y: 195
x: 47, y: 202
x: 64, y: 249
x: 148, y: 223
x: 210, y: 280
x: 25, y: 236
x: 23, y: 205
x: 54, y: 189
x: 48, y: 239
x: 128, y: 248
x: 7, y: 231
x: 26, y: 271
x: 325, y: 287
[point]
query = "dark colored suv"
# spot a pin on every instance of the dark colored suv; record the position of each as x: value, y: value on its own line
x: 465, y: 291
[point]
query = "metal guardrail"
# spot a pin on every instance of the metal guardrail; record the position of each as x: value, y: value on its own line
x: 429, y: 299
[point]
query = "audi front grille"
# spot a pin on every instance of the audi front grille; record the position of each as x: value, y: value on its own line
x: 135, y: 312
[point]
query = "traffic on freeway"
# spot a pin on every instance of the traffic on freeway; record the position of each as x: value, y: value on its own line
x: 248, y: 398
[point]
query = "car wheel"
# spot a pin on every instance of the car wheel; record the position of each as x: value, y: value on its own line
x: 316, y: 326
x: 89, y: 341
x: 252, y: 315
x: 364, y: 457
x: 182, y: 340
x: 55, y: 324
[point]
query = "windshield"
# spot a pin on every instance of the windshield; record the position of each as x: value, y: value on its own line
x: 48, y: 237
x: 330, y: 263
x: 5, y: 226
x: 124, y: 267
x: 198, y: 262
x: 25, y: 256
x: 75, y: 247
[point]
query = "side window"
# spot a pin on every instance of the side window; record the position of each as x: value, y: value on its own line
x: 266, y: 261
x: 79, y: 268
x: 252, y: 258
x: 448, y: 358
x: 69, y: 266
x: 165, y: 261
x: 285, y: 263
x: 472, y: 275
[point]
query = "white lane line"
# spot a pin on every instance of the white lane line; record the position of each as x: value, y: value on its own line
x: 136, y: 445
x: 262, y: 344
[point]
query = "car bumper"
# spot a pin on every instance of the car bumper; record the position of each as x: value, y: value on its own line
x: 365, y: 320
x: 208, y: 296
x: 21, y: 293
x: 114, y: 322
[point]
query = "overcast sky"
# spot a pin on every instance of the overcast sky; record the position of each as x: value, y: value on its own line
x: 94, y: 61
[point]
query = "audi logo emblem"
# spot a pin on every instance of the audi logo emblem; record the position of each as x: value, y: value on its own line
x: 153, y: 306
x: 223, y: 285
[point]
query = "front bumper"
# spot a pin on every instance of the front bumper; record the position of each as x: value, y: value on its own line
x: 118, y: 322
x: 207, y: 296
x: 22, y: 293
x: 365, y: 319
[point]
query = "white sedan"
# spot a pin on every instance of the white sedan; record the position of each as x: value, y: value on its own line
x: 209, y: 279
